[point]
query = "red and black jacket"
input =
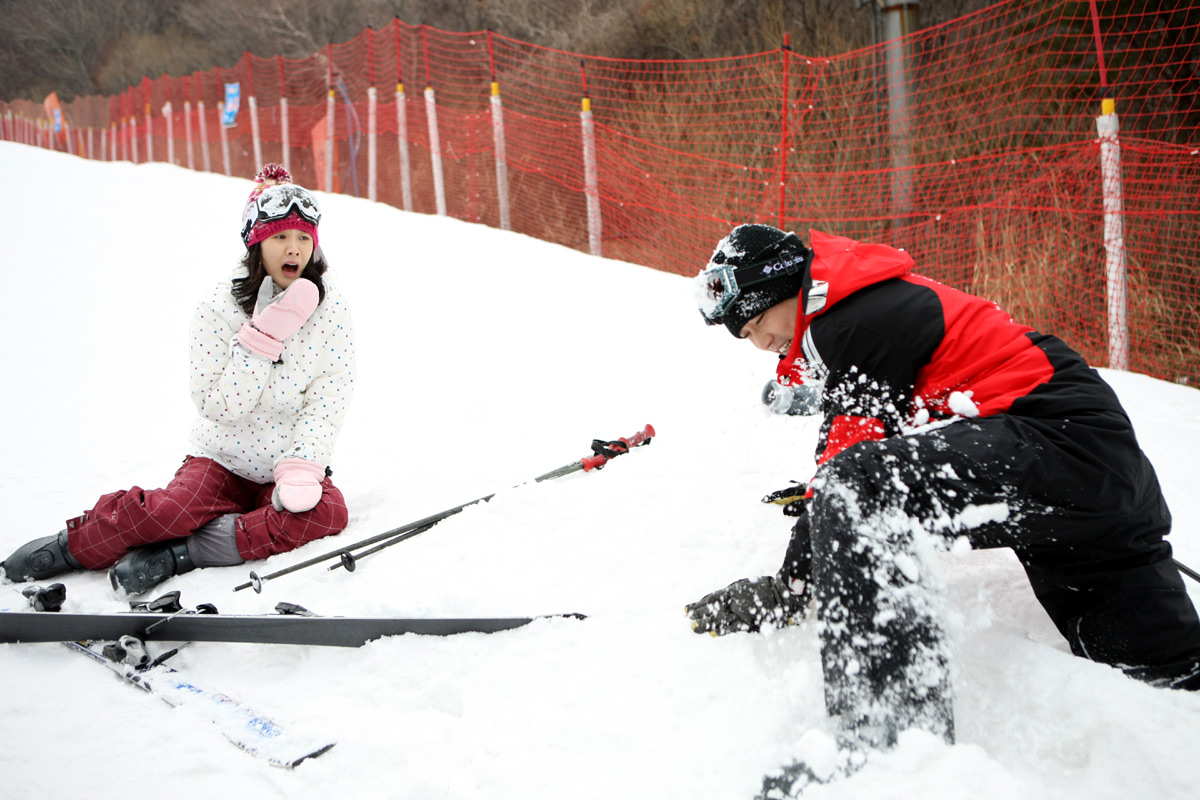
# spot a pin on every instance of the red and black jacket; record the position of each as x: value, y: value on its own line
x: 897, y: 351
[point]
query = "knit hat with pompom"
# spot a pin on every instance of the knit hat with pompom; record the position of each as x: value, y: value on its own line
x: 290, y: 207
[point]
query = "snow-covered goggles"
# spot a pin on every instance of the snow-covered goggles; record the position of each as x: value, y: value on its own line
x: 721, y: 285
x: 276, y: 202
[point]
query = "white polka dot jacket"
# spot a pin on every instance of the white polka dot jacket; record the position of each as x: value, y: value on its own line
x: 254, y: 413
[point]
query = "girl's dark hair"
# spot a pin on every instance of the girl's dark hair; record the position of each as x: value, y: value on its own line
x: 245, y: 290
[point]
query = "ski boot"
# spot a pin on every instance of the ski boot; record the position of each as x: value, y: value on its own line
x: 40, y: 559
x: 149, y: 566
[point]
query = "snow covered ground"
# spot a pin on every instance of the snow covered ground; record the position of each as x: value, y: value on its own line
x: 485, y: 359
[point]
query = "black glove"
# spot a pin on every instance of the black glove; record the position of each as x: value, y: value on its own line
x: 749, y: 605
x: 792, y: 499
x: 770, y: 601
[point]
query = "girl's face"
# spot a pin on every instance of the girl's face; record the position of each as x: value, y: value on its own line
x: 285, y: 255
x: 774, y: 328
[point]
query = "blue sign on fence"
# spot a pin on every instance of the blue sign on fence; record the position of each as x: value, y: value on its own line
x: 233, y: 99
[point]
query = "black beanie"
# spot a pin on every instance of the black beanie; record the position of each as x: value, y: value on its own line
x: 750, y: 244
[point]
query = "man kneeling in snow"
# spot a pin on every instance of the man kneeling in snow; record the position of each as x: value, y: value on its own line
x: 941, y: 416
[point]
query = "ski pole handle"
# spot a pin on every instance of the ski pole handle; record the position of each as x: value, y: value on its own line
x: 641, y: 437
x: 599, y: 460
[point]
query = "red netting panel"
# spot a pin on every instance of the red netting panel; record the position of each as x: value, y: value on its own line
x: 973, y: 144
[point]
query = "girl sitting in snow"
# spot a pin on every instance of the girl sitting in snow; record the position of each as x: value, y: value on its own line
x: 272, y: 371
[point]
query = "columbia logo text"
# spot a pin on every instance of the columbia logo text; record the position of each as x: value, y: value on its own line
x: 780, y: 266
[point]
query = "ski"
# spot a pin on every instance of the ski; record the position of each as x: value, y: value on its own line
x: 290, y: 628
x: 240, y: 724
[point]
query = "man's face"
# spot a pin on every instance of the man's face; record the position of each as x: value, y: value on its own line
x: 774, y: 328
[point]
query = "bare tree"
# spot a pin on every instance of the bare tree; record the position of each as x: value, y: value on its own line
x: 102, y: 46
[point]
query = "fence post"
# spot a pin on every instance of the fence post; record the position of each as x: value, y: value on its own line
x: 1116, y: 292
x: 372, y: 163
x: 402, y: 143
x: 501, y: 157
x: 783, y: 126
x: 402, y: 128
x: 133, y: 139
x: 187, y: 132
x: 285, y: 157
x: 1116, y: 295
x: 149, y: 124
x: 170, y: 118
x: 435, y: 151
x: 258, y: 156
x: 591, y: 175
x: 330, y: 130
x: 900, y: 19
x: 435, y: 145
x: 205, y: 157
x: 372, y: 132
x: 224, y: 147
x: 498, y: 142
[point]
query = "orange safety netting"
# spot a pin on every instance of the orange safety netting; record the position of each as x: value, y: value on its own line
x: 973, y: 144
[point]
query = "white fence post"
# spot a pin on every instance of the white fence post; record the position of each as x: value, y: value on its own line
x: 225, y: 148
x: 205, y: 158
x: 501, y: 157
x: 372, y: 155
x: 187, y: 132
x: 330, y: 130
x: 286, y: 159
x: 435, y: 151
x: 402, y: 143
x: 591, y: 178
x: 258, y: 156
x: 1114, y: 236
x: 149, y: 135
x: 170, y: 118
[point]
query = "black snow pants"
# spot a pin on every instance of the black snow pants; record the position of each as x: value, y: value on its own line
x: 1077, y: 501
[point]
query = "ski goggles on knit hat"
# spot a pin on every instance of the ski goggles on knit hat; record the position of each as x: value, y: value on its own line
x: 278, y: 208
x: 758, y: 285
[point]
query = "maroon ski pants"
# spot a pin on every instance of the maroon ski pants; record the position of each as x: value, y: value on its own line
x: 201, y: 491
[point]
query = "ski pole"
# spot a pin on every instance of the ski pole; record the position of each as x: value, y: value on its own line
x: 604, y: 452
x: 1186, y: 570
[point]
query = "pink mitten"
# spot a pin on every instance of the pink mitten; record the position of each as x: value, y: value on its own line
x: 297, y: 485
x: 278, y: 319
